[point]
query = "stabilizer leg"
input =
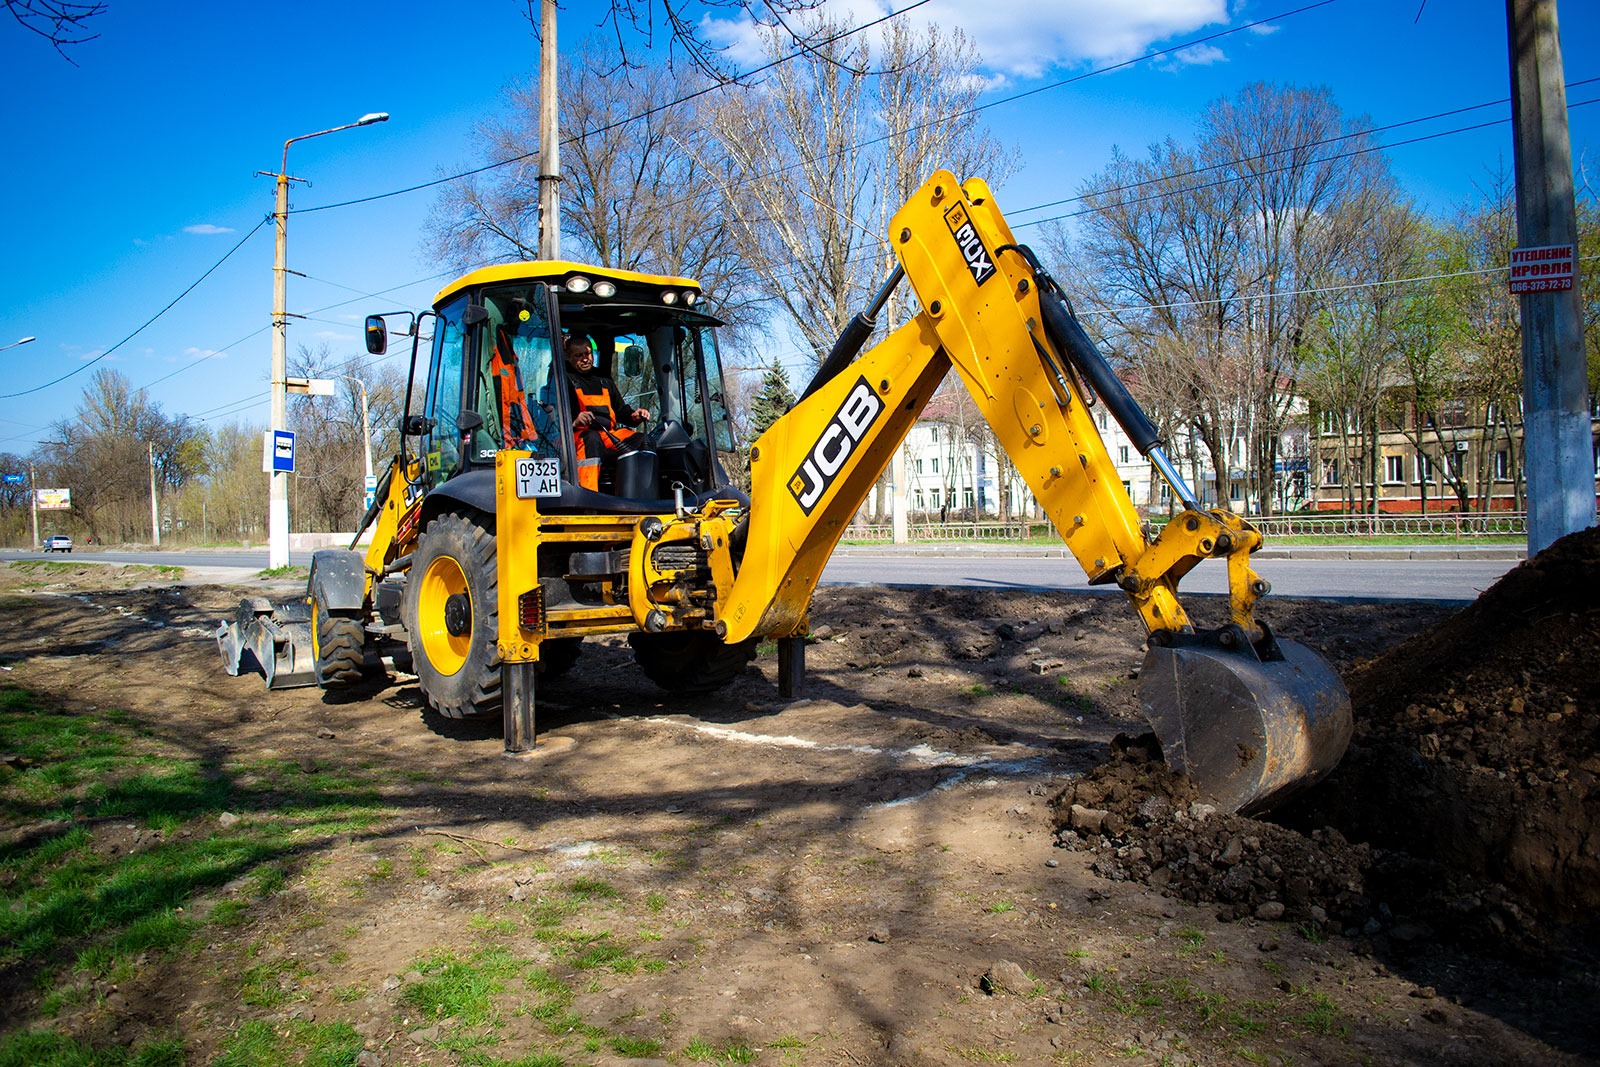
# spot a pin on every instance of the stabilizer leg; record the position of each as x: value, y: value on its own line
x: 791, y: 666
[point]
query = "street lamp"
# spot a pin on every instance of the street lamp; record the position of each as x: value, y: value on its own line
x: 278, y: 500
x: 366, y: 430
x: 14, y: 344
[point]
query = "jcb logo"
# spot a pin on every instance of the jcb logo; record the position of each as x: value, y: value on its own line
x: 979, y: 262
x: 827, y: 457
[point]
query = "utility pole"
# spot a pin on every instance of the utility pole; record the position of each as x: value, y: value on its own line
x: 155, y: 510
x: 278, y: 484
x: 1558, y: 447
x: 549, y: 138
x: 33, y: 478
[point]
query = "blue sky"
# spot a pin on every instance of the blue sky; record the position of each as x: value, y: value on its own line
x: 131, y: 174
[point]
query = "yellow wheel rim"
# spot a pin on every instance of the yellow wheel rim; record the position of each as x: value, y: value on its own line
x: 447, y: 652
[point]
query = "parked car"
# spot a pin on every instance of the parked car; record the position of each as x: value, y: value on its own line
x: 58, y: 543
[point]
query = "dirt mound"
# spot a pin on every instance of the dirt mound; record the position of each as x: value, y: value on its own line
x: 1465, y: 810
x: 1477, y: 742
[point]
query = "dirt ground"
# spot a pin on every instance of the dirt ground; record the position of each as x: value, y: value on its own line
x: 887, y: 871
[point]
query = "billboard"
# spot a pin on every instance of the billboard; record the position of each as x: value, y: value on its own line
x: 53, y: 499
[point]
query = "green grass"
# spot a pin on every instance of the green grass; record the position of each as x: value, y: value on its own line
x: 463, y: 987
x: 288, y: 570
x: 291, y: 1044
x: 125, y: 842
x: 43, y: 1048
x: 702, y: 1051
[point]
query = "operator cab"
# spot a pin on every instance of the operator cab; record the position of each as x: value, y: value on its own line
x: 497, y: 380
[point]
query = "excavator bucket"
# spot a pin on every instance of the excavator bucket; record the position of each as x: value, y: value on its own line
x: 274, y: 639
x: 1249, y: 724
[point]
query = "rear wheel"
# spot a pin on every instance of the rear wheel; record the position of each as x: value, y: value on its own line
x: 690, y: 661
x: 453, y: 618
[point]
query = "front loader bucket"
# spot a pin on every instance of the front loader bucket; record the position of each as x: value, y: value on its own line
x: 1250, y: 724
x: 274, y: 639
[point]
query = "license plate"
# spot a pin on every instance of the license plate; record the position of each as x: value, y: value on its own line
x: 538, y: 477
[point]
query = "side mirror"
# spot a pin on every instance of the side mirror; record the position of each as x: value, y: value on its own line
x: 633, y: 361
x: 377, y: 335
x: 415, y: 425
x: 474, y: 314
x: 468, y: 421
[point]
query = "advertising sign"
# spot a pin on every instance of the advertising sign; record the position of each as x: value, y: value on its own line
x: 1542, y: 270
x: 53, y: 499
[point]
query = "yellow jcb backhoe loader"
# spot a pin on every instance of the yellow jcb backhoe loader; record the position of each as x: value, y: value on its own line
x: 490, y: 562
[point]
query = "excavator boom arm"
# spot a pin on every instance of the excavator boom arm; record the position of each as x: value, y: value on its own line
x: 1249, y: 717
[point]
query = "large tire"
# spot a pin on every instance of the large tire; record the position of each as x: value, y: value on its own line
x: 452, y: 617
x: 690, y: 661
x: 557, y: 655
x: 337, y: 648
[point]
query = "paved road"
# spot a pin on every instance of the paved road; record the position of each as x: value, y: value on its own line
x: 1361, y: 578
x: 1452, y: 580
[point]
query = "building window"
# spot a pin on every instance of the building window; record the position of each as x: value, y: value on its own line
x: 933, y: 494
x: 966, y: 499
x: 1122, y: 453
x: 1127, y: 487
x: 1424, y: 468
x: 1235, y: 491
x: 1502, y: 466
x: 919, y: 464
x: 1330, y: 472
x: 936, y: 464
x: 1101, y: 419
x: 916, y: 499
x: 1330, y: 423
x: 1394, y: 469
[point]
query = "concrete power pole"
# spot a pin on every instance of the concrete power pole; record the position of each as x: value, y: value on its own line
x: 155, y: 509
x: 549, y: 138
x: 1558, y: 449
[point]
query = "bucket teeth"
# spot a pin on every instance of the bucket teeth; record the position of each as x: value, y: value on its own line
x: 272, y: 639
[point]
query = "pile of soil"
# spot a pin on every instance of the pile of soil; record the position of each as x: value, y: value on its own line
x: 1477, y: 742
x: 1465, y: 810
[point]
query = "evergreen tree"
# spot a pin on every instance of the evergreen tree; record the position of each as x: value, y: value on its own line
x: 772, y: 401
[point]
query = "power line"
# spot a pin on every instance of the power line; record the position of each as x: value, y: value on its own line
x: 1276, y: 170
x: 1299, y: 147
x: 572, y: 139
x: 85, y: 366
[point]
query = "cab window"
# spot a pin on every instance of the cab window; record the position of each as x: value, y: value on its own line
x: 441, y: 445
x: 513, y: 387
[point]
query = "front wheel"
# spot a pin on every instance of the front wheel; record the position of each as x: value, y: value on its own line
x: 452, y: 618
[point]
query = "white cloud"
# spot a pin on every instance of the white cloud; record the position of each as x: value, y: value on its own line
x: 205, y: 228
x: 1200, y: 55
x: 1023, y: 38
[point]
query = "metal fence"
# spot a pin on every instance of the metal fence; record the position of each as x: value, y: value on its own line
x: 1460, y: 524
x: 1465, y: 524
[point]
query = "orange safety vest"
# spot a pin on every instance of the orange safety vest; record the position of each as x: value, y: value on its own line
x: 516, y: 420
x: 592, y: 445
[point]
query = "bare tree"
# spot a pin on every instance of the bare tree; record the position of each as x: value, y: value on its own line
x: 61, y: 22
x: 818, y: 155
x: 103, y: 455
x: 329, y: 461
x: 635, y: 25
x: 635, y: 194
x: 1221, y: 254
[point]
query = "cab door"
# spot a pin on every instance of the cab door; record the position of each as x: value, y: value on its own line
x: 441, y: 443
